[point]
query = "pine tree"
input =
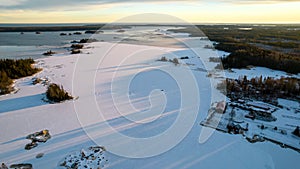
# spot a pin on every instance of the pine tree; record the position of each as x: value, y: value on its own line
x: 297, y: 131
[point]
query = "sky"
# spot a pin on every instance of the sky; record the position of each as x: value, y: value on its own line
x: 191, y: 11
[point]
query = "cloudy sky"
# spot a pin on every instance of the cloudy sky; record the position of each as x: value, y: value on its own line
x: 193, y: 11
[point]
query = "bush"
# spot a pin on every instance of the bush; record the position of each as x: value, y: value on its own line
x: 163, y: 59
x: 56, y: 93
x: 175, y: 61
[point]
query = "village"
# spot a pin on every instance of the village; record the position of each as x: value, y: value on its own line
x: 258, y: 117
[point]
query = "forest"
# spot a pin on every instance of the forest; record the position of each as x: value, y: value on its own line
x: 14, y: 69
x: 266, y: 89
x: 272, y: 46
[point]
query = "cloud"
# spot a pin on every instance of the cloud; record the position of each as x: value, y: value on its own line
x: 83, y: 4
x: 11, y: 2
x: 257, y: 1
x: 59, y: 4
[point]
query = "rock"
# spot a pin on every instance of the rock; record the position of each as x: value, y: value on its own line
x: 93, y: 32
x: 36, y: 81
x: 77, y: 33
x: 75, y: 51
x: 21, y: 166
x: 86, y: 158
x: 90, y: 32
x: 185, y: 57
x: 49, y: 53
x: 62, y: 34
x: 77, y: 46
x: 3, y: 166
x: 64, y: 163
x: 296, y: 132
x: 88, y: 40
x: 74, y: 41
x: 41, y: 136
x: 31, y: 145
x: 82, y: 153
x: 120, y: 31
x: 39, y: 155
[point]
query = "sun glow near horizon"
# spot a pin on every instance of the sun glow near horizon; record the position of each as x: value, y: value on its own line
x: 215, y: 11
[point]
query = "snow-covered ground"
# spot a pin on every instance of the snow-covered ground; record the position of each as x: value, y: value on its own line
x: 106, y: 78
x: 257, y: 72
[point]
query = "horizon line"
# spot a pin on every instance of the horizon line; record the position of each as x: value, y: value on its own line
x: 159, y: 23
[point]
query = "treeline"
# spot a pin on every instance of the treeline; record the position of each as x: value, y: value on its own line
x: 245, y: 49
x: 280, y: 33
x: 49, y: 28
x: 262, y: 88
x: 276, y: 47
x: 243, y: 55
x: 13, y: 69
x: 292, y: 45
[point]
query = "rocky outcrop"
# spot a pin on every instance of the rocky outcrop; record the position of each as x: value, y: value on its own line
x: 88, y: 40
x: 21, y: 166
x: 37, y: 137
x: 3, y: 166
x: 93, y: 157
x: 76, y: 46
x: 49, y: 53
x: 75, y: 51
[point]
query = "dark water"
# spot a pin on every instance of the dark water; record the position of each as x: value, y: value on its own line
x: 15, y: 45
x: 42, y: 25
x: 30, y: 44
x: 33, y: 39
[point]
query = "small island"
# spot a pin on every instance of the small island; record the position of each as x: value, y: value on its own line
x: 56, y: 93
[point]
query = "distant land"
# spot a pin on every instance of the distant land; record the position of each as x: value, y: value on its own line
x: 82, y: 26
x: 275, y: 47
x: 41, y: 28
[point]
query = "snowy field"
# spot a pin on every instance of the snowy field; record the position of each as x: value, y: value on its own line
x: 123, y: 88
x: 257, y: 72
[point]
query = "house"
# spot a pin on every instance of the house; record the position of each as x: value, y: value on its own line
x: 234, y: 128
x: 241, y: 101
x: 259, y: 105
x: 221, y: 107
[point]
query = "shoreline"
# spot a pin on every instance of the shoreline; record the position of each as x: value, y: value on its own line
x: 29, y: 113
x: 57, y: 28
x: 49, y: 28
